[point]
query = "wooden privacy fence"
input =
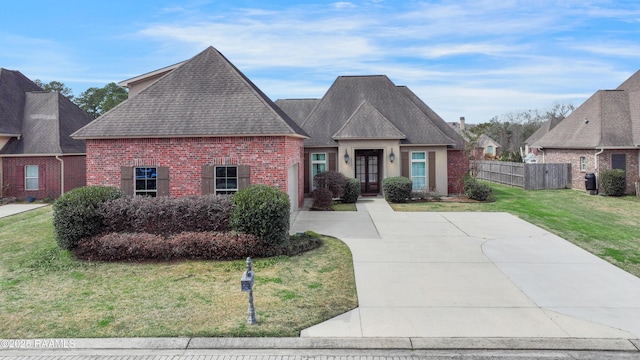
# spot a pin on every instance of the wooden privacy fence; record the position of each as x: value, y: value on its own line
x: 526, y: 176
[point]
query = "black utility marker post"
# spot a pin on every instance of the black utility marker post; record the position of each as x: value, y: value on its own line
x: 246, y: 285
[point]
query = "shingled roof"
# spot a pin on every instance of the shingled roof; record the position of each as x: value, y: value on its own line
x: 205, y: 96
x: 297, y: 109
x: 344, y: 99
x: 39, y: 122
x: 608, y: 119
x: 13, y: 89
x: 368, y: 123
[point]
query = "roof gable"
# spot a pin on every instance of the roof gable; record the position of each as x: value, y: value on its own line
x: 368, y: 123
x: 13, y: 89
x: 608, y: 119
x: 49, y: 119
x: 205, y: 96
x: 348, y: 92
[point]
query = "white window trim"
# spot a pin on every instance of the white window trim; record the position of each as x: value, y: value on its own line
x: 315, y: 162
x: 27, y: 177
x: 135, y: 190
x: 583, y: 163
x: 424, y: 161
x: 215, y: 182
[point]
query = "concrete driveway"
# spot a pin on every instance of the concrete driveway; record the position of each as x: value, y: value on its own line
x: 472, y: 275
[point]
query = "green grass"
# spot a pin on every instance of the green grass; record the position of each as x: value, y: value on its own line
x: 46, y: 293
x: 343, y: 207
x: 608, y: 227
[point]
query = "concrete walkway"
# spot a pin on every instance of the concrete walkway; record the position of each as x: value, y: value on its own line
x: 12, y: 209
x: 472, y: 275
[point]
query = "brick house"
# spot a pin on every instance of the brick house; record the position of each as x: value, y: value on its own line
x: 368, y: 128
x: 38, y: 157
x: 603, y: 133
x: 201, y: 126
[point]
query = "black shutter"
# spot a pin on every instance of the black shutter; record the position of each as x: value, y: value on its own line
x: 332, y: 161
x: 307, y: 172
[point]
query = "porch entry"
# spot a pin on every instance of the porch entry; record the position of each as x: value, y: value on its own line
x: 368, y: 171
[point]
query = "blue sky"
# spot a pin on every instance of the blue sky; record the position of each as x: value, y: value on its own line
x: 472, y: 58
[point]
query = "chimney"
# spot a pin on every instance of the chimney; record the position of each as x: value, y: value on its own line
x: 461, y: 122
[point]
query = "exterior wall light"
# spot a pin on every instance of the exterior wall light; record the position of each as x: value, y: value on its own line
x: 346, y: 156
x: 392, y: 156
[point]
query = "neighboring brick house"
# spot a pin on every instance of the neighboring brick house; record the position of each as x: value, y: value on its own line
x: 368, y: 128
x: 603, y: 133
x: 201, y: 127
x: 38, y: 157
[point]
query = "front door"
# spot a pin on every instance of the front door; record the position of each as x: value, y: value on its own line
x: 368, y: 171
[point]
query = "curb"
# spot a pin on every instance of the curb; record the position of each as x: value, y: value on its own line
x: 584, y: 344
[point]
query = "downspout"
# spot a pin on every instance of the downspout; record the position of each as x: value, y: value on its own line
x: 596, y: 169
x: 61, y: 174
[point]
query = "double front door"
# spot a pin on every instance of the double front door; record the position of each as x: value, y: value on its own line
x: 368, y: 171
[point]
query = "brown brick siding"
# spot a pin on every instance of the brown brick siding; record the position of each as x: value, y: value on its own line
x: 604, y: 162
x: 269, y: 158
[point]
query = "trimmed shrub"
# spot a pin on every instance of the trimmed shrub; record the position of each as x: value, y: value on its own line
x: 186, y: 245
x: 322, y: 198
x: 475, y: 190
x: 263, y: 211
x: 351, y: 191
x: 613, y: 182
x: 76, y: 216
x: 331, y: 180
x: 213, y: 246
x: 165, y: 216
x: 397, y: 189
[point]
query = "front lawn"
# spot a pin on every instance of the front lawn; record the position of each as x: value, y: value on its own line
x: 608, y: 227
x: 46, y: 293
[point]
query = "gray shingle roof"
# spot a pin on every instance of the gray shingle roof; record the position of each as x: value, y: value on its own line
x: 608, y: 119
x: 297, y: 109
x: 485, y: 140
x: 13, y: 89
x: 348, y: 92
x: 543, y: 130
x: 460, y: 143
x: 367, y: 123
x: 205, y: 96
x: 43, y: 120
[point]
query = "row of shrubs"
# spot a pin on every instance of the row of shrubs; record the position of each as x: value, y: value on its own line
x: 333, y: 185
x: 398, y: 189
x: 98, y: 217
x: 187, y: 245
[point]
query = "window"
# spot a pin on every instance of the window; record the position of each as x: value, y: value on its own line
x: 318, y: 165
x: 226, y: 180
x: 146, y: 181
x: 31, y: 177
x: 583, y: 163
x: 419, y: 170
x: 619, y: 161
x: 490, y: 150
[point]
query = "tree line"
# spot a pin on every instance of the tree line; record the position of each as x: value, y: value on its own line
x: 512, y: 129
x: 95, y: 101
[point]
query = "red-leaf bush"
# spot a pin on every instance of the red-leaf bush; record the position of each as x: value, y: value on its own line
x: 164, y: 215
x: 186, y: 245
x: 322, y: 198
